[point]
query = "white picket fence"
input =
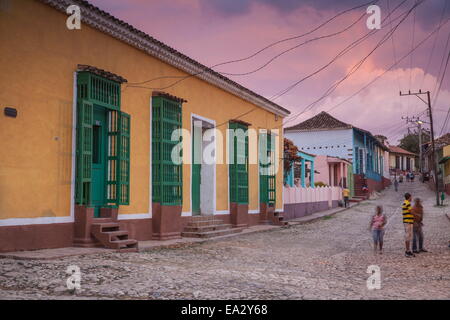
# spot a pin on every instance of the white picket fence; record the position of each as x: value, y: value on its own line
x: 308, y: 195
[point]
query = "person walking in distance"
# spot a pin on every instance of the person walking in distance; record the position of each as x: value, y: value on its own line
x: 396, y: 184
x: 417, y: 211
x: 376, y: 225
x: 408, y: 222
x: 345, y: 195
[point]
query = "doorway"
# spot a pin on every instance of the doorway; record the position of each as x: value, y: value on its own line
x: 203, y: 173
x: 99, y: 163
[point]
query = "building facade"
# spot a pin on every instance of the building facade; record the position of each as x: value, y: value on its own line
x: 440, y: 146
x: 88, y: 126
x: 325, y: 135
x: 401, y: 159
x: 445, y: 163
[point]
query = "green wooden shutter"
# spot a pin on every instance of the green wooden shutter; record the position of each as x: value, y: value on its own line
x: 112, y: 176
x: 167, y: 177
x: 124, y: 158
x: 271, y: 185
x: 262, y: 150
x: 267, y: 181
x: 239, y: 167
x: 84, y: 152
x: 118, y: 157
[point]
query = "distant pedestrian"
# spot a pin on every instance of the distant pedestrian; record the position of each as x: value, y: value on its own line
x: 365, y: 189
x: 417, y: 211
x: 396, y: 185
x: 407, y: 176
x: 412, y: 176
x: 408, y: 222
x: 376, y: 225
x: 345, y: 195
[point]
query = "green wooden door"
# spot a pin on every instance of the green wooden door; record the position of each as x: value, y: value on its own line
x: 99, y: 133
x: 196, y: 170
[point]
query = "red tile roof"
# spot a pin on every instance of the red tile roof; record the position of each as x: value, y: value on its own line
x: 321, y: 121
x: 395, y: 149
x: 135, y: 33
x: 325, y: 121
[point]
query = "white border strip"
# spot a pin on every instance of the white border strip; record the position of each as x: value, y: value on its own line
x: 133, y: 216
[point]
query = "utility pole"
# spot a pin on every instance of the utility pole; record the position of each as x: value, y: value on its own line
x: 419, y: 126
x: 418, y: 122
x: 433, y: 149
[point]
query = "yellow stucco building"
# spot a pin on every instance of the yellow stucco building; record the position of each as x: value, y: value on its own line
x: 83, y: 133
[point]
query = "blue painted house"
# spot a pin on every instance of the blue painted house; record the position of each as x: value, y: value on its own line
x: 325, y: 135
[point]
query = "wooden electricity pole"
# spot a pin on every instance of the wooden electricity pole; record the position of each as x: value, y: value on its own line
x: 433, y: 156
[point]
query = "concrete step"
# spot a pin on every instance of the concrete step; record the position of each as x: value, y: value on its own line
x: 202, y: 223
x: 207, y: 228
x: 119, y: 233
x: 211, y: 234
x: 124, y: 244
x: 106, y: 226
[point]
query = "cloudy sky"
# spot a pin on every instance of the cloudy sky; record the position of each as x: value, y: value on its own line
x: 216, y: 31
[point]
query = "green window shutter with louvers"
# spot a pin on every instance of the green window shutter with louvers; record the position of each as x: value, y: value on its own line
x: 271, y: 183
x: 124, y: 158
x: 262, y: 158
x: 167, y: 176
x: 118, y: 158
x: 239, y: 167
x: 84, y: 152
x: 267, y: 168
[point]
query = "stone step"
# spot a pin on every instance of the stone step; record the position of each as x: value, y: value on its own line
x: 125, y: 244
x: 106, y: 225
x: 207, y: 228
x: 211, y: 234
x: 202, y: 223
x: 119, y: 233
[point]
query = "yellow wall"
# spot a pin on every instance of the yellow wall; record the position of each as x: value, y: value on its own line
x: 39, y: 56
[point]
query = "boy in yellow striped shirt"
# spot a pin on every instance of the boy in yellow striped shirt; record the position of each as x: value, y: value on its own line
x: 408, y: 223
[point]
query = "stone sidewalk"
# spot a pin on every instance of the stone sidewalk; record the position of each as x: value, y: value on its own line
x: 147, y: 245
x: 327, y: 259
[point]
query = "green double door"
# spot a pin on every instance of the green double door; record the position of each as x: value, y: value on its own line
x: 99, y: 162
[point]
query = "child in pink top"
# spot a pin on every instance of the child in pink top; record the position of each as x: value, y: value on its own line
x: 377, y: 223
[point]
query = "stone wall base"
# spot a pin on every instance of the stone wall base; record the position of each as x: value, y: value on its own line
x: 166, y: 222
x: 239, y: 215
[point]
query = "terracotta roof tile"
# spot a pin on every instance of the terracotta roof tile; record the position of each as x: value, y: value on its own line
x: 321, y: 121
x: 102, y: 73
x: 325, y: 121
x: 395, y: 149
x: 136, y: 32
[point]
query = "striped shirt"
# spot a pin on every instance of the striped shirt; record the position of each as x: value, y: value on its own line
x: 406, y: 211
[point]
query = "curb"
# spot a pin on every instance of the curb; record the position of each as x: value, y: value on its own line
x: 202, y: 241
x: 314, y: 219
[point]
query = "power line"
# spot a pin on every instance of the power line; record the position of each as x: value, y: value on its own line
x: 388, y: 69
x: 434, y: 43
x: 206, y: 69
x: 357, y: 65
x: 412, y: 55
x: 293, y: 48
x: 440, y: 68
x: 394, y: 51
x: 341, y: 53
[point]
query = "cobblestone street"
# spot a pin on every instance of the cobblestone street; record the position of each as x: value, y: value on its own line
x: 326, y: 259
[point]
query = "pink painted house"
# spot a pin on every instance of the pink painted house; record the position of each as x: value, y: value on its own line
x: 332, y: 171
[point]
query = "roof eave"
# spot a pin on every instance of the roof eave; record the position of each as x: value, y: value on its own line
x: 106, y: 23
